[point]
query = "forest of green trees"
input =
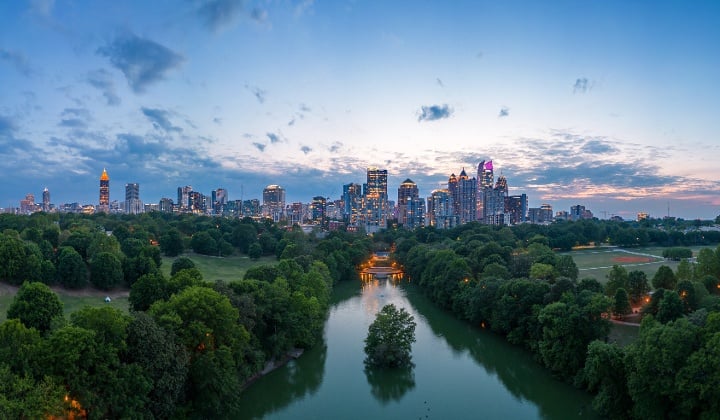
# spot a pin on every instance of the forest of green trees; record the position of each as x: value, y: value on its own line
x: 511, y: 281
x: 187, y: 346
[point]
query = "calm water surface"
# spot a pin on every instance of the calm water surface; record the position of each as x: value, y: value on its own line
x: 460, y: 371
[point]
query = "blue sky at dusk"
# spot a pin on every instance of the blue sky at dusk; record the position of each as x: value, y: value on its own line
x: 609, y: 104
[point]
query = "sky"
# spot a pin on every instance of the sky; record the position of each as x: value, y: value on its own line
x: 614, y: 105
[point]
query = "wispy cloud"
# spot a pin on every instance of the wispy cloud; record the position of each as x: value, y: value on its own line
x: 306, y: 149
x: 335, y: 147
x: 142, y: 61
x: 103, y: 81
x: 303, y: 6
x: 504, y: 112
x: 434, y: 112
x: 259, y: 146
x: 217, y: 14
x: 275, y: 138
x: 17, y: 60
x: 160, y: 119
x: 582, y: 85
x: 75, y: 118
x: 439, y: 82
x: 257, y: 92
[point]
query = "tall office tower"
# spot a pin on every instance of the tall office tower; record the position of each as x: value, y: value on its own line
x: 318, y: 210
x: 411, y: 208
x: 440, y: 210
x: 407, y: 191
x: 46, y: 200
x: 133, y: 205
x: 454, y: 194
x: 27, y: 205
x: 274, y: 202
x: 352, y: 202
x: 197, y: 202
x: 516, y: 208
x: 466, y: 198
x: 219, y: 200
x: 104, y: 204
x: 546, y: 213
x: 485, y: 179
x: 494, y: 203
x: 375, y: 209
x: 183, y: 201
x: 577, y: 212
x: 250, y: 208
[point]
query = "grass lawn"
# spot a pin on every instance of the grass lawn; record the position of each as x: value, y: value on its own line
x: 219, y: 268
x: 598, y: 262
x: 212, y: 269
x: 72, y: 300
x: 623, y: 334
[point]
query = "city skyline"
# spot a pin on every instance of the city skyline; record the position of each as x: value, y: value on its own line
x: 609, y: 105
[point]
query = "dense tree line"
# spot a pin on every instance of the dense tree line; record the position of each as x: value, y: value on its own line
x: 187, y: 346
x: 511, y: 282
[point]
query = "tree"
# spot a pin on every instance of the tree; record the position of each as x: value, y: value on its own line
x: 621, y: 305
x: 566, y: 267
x: 638, y: 285
x: 684, y: 270
x: 203, y: 243
x: 181, y: 263
x: 71, y: 269
x: 670, y: 308
x: 390, y: 337
x: 254, y: 251
x: 664, y: 278
x: 105, y: 271
x: 604, y: 373
x: 688, y: 296
x: 12, y: 255
x: 171, y: 242
x: 147, y: 290
x: 35, y: 305
x: 617, y: 278
x: 542, y: 271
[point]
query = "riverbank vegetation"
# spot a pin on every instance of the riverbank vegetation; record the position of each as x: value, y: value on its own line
x: 513, y: 283
x: 187, y: 345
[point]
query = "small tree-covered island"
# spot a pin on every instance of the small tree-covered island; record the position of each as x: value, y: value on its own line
x: 202, y: 307
x: 390, y: 337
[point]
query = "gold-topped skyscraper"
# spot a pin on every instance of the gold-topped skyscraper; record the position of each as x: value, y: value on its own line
x: 104, y: 192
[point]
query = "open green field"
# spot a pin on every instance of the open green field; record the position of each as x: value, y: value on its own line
x: 212, y: 269
x: 219, y: 268
x: 623, y: 334
x: 72, y: 300
x: 597, y: 262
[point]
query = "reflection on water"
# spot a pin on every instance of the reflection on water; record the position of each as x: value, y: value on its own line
x: 460, y: 371
x: 391, y: 384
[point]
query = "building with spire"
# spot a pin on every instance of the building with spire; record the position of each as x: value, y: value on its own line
x: 104, y: 204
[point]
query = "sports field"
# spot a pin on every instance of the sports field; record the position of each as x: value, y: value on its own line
x: 597, y: 262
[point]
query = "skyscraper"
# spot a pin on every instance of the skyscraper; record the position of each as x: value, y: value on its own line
x: 133, y: 205
x: 219, y: 200
x: 440, y: 210
x: 411, y: 208
x: 375, y: 209
x: 184, y: 197
x: 352, y: 202
x: 104, y: 204
x: 46, y: 200
x: 274, y: 202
